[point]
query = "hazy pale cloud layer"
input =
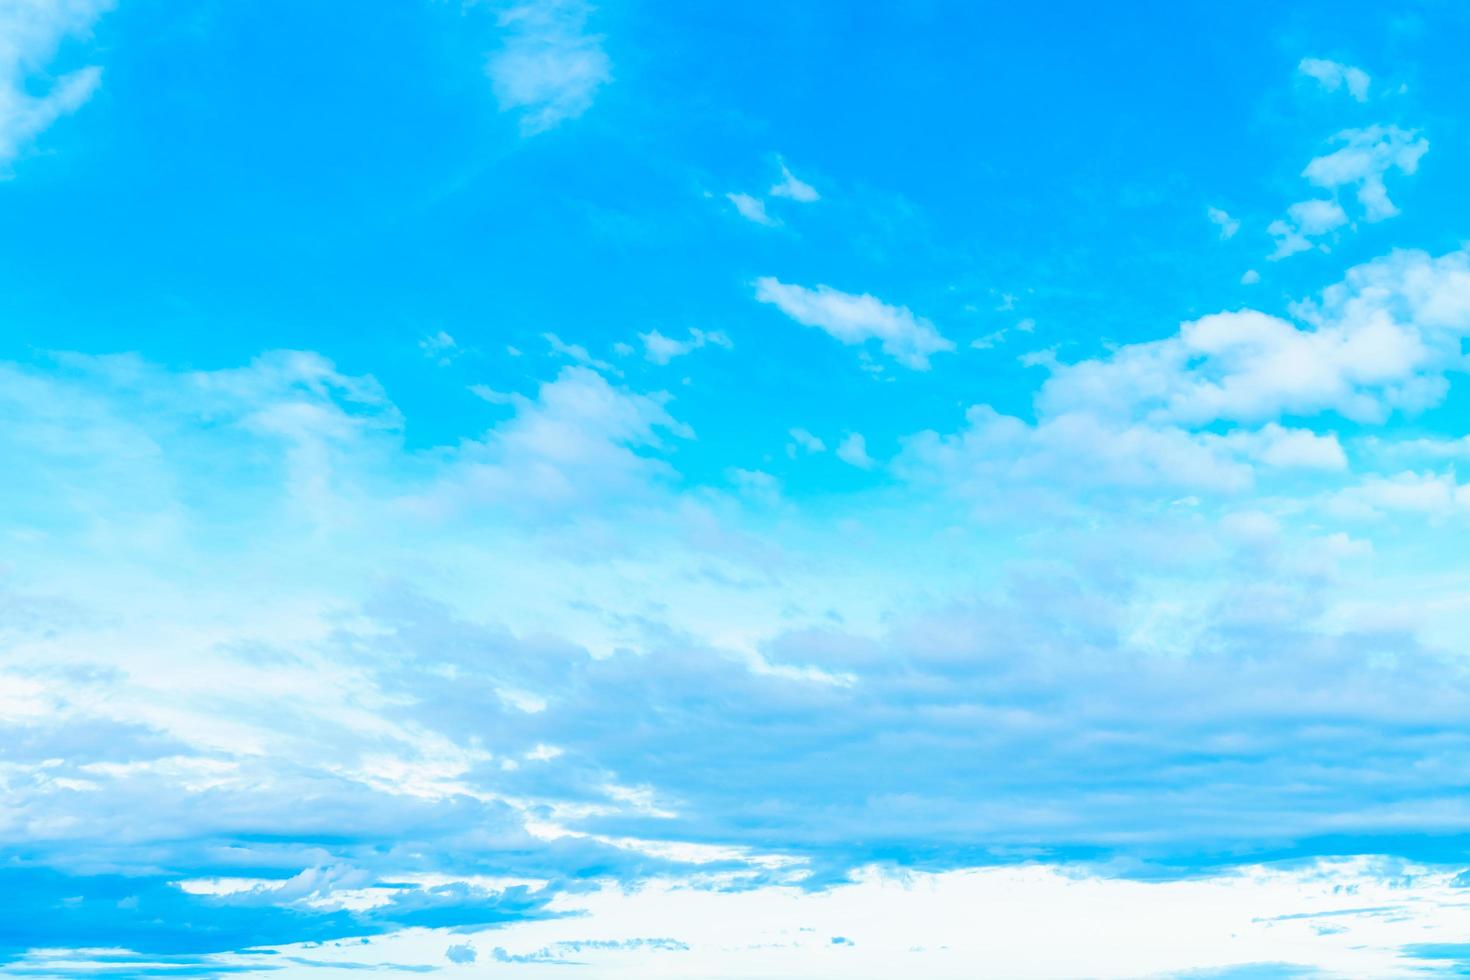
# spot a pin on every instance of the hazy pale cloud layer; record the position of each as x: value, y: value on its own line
x: 549, y: 489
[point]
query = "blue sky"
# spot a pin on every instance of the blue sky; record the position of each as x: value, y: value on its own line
x: 518, y: 484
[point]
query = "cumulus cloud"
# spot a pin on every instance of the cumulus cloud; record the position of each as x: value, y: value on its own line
x: 1380, y: 340
x: 1149, y: 414
x: 32, y: 30
x: 548, y: 68
x: 1332, y: 75
x: 856, y: 319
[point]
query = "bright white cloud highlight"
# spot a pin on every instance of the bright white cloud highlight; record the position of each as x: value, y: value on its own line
x: 856, y: 319
x: 548, y: 68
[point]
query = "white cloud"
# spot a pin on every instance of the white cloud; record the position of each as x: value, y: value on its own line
x: 30, y: 33
x: 576, y: 352
x: 1378, y: 341
x: 1304, y: 221
x: 1365, y: 156
x: 439, y: 347
x: 1362, y: 161
x: 579, y: 439
x: 789, y: 186
x: 1435, y: 495
x: 1221, y: 219
x: 660, y: 349
x: 1150, y: 414
x: 548, y: 68
x: 1284, y: 448
x: 1332, y: 75
x: 804, y: 440
x: 853, y: 450
x: 1250, y: 278
x: 852, y: 319
x: 752, y: 209
x: 1362, y: 916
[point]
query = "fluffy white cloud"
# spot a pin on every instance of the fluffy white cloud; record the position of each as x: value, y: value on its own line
x: 661, y: 350
x: 548, y: 68
x: 30, y: 33
x: 1333, y: 75
x: 855, y: 319
x: 1380, y: 340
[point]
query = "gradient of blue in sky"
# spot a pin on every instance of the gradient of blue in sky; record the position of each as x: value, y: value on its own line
x: 731, y: 490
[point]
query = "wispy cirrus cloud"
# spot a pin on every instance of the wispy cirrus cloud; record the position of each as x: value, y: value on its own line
x: 31, y: 31
x: 548, y: 68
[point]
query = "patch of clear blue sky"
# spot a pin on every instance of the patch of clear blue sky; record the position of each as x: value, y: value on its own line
x: 296, y: 175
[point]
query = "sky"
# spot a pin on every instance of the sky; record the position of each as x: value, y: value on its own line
x: 734, y: 490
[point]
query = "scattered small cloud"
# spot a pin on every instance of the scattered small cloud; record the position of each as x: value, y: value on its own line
x: 1362, y: 160
x: 1365, y: 157
x: 439, y: 347
x: 752, y: 209
x: 790, y: 186
x: 575, y: 352
x: 855, y: 319
x: 1333, y: 75
x: 804, y: 441
x: 661, y: 350
x: 1250, y: 278
x: 1304, y: 221
x: 462, y: 953
x: 1221, y: 219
